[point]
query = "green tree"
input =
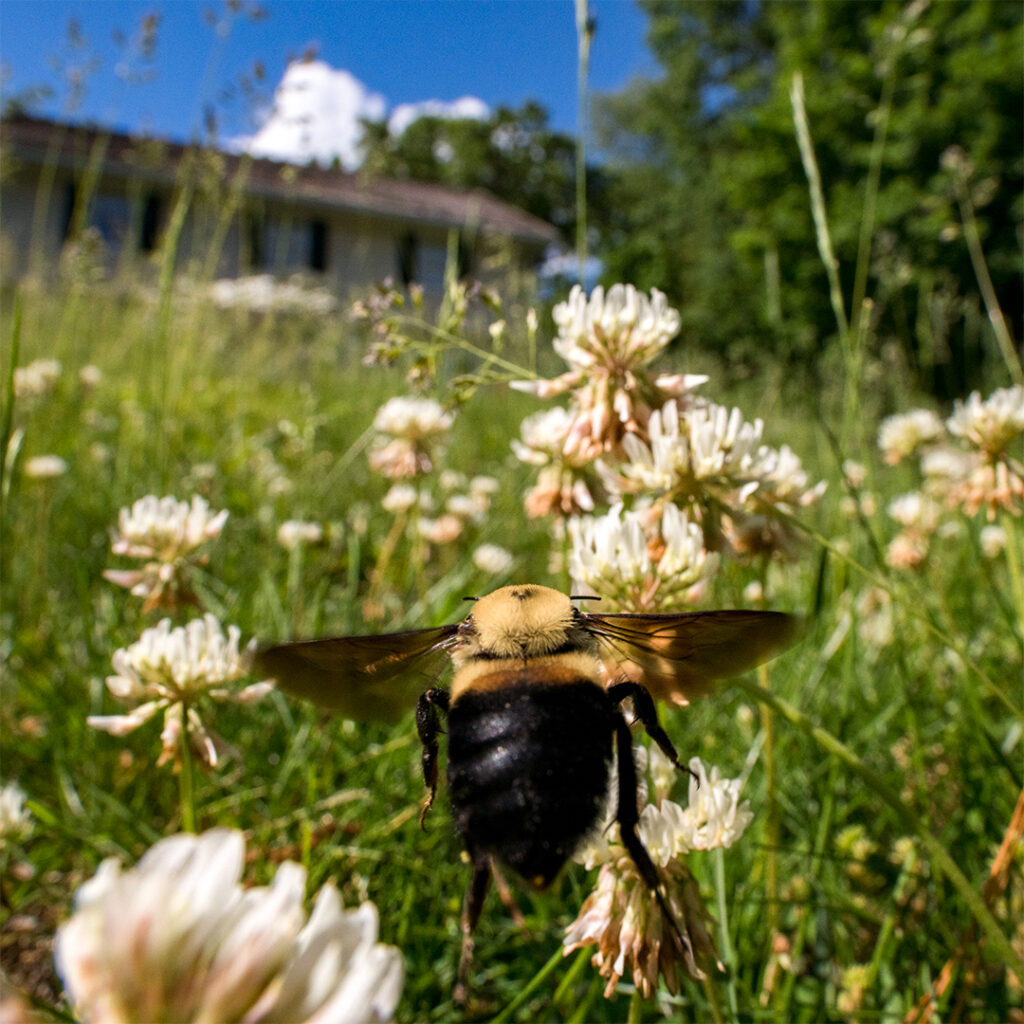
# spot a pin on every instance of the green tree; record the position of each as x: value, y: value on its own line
x: 712, y: 201
x: 513, y: 154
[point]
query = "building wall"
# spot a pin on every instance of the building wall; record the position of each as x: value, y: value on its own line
x: 341, y: 249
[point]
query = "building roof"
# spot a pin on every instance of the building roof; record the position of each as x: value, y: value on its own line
x: 32, y: 140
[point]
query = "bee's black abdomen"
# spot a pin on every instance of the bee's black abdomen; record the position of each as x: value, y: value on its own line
x: 528, y: 767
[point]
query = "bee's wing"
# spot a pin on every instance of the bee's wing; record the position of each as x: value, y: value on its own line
x: 681, y: 656
x: 360, y: 677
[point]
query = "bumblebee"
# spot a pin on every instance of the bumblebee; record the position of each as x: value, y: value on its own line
x: 534, y: 716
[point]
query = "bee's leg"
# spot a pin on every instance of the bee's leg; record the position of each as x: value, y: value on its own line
x: 628, y: 816
x: 474, y: 903
x: 428, y: 726
x: 509, y: 900
x: 643, y: 704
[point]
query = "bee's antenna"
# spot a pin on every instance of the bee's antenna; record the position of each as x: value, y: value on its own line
x: 584, y: 597
x: 471, y: 599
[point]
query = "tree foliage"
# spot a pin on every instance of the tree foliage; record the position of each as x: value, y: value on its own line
x: 711, y: 200
x: 513, y: 154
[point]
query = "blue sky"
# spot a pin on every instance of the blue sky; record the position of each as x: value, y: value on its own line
x: 502, y: 51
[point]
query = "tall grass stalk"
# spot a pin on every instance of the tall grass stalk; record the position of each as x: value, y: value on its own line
x: 988, y: 292
x: 584, y: 37
x: 998, y: 942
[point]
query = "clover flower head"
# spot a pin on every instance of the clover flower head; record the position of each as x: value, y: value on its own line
x: 15, y: 819
x: 409, y: 431
x: 45, y: 467
x: 412, y: 418
x: 168, y: 533
x: 990, y: 425
x: 622, y: 918
x: 642, y: 560
x: 178, y: 938
x: 37, y: 379
x: 608, y: 340
x: 561, y: 487
x: 295, y: 532
x: 493, y: 560
x: 904, y: 433
x: 171, y: 670
x: 623, y: 324
x: 165, y: 528
x: 916, y: 511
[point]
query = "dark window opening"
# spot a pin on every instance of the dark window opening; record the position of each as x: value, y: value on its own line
x: 70, y: 197
x: 466, y: 261
x: 149, y: 230
x: 318, y: 245
x: 254, y: 239
x: 407, y: 258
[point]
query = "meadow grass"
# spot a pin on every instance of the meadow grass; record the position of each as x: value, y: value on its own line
x: 894, y: 730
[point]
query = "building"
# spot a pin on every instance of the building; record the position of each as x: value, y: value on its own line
x: 235, y: 216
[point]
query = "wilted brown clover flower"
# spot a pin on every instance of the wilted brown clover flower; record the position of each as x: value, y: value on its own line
x: 167, y: 533
x: 175, y: 671
x: 608, y: 341
x: 622, y: 918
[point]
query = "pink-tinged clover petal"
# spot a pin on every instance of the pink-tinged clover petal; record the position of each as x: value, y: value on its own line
x: 121, y: 725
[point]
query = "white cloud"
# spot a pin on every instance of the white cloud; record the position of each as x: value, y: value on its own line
x: 316, y: 115
x: 468, y: 107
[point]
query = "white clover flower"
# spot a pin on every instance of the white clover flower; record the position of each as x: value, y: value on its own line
x: 171, y: 670
x: 622, y: 918
x: 543, y: 436
x: 608, y: 340
x: 412, y: 418
x: 168, y: 532
x: 442, y: 530
x: 560, y: 487
x: 916, y: 511
x: 409, y: 431
x: 624, y: 321
x: 993, y: 540
x: 293, y: 532
x: 400, y: 498
x: 45, y: 467
x: 991, y: 425
x: 166, y: 528
x: 90, y: 376
x: 710, y: 460
x: 712, y: 443
x: 493, y: 560
x: 179, y: 938
x: 36, y: 379
x: 902, y: 434
x: 15, y: 819
x: 612, y: 554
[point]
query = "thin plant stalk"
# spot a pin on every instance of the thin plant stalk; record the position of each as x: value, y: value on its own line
x: 988, y: 291
x: 8, y: 414
x: 531, y: 986
x: 584, y: 37
x: 999, y: 945
x: 1013, y: 563
x: 186, y: 776
x: 818, y: 212
x: 724, y: 942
